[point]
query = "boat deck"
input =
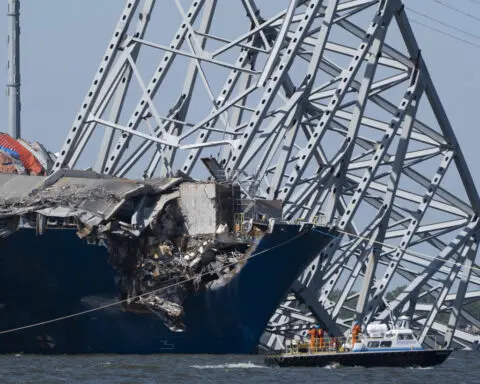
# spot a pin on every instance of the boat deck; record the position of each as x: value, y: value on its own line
x: 423, y: 358
x: 304, y: 355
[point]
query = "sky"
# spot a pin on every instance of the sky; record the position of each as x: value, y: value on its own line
x: 63, y: 42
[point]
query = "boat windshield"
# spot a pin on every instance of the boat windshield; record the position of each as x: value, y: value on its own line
x: 379, y: 344
x: 407, y: 336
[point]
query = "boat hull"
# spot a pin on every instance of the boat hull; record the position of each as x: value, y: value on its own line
x: 57, y: 274
x: 424, y: 358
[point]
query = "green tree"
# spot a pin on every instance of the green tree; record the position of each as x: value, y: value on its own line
x: 392, y: 295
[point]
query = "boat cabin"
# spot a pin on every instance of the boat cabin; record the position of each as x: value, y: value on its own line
x: 379, y: 338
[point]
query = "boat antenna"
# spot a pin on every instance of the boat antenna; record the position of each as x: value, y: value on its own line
x: 13, y: 85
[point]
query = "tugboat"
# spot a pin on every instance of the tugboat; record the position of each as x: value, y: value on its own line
x: 378, y: 347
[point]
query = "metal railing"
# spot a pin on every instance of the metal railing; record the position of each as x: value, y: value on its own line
x: 331, y: 344
x: 327, y: 344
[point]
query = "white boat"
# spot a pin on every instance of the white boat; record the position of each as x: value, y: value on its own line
x: 378, y: 337
x: 378, y: 346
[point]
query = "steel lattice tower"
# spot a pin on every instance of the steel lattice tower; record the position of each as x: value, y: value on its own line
x: 13, y: 85
x: 325, y: 105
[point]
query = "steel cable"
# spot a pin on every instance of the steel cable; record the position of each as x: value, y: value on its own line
x: 38, y: 324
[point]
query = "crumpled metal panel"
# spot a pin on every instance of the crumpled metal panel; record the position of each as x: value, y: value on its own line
x: 40, y: 153
x: 118, y: 212
x: 86, y: 218
x: 89, y: 197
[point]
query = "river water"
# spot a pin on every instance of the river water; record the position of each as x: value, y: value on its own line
x: 461, y: 367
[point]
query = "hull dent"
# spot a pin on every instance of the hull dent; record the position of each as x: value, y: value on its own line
x: 57, y: 274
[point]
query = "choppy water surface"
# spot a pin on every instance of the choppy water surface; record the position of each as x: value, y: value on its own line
x: 461, y: 367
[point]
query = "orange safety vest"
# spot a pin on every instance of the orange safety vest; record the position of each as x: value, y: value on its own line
x: 355, y: 331
x: 312, y: 333
x: 320, y: 337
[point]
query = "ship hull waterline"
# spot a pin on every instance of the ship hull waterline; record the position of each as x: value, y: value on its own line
x: 424, y: 358
x: 57, y: 274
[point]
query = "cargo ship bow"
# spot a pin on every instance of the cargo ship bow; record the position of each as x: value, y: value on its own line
x: 193, y: 275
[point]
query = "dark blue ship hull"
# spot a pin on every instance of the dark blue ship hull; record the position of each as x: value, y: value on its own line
x: 57, y: 274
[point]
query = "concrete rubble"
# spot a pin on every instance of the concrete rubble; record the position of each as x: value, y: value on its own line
x: 159, y: 233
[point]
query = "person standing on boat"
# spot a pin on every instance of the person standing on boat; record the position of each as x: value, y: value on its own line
x: 320, y: 337
x: 356, y: 329
x: 333, y: 343
x: 312, y: 333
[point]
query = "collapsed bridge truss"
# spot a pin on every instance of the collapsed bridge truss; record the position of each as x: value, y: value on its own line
x: 326, y: 105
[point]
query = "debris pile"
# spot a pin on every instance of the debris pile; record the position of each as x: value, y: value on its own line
x: 160, y: 270
x: 158, y: 261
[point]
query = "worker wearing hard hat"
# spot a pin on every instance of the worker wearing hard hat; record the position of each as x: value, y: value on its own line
x: 356, y: 329
x: 320, y: 337
x: 312, y: 333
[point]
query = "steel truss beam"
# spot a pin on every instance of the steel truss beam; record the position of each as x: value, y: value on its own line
x: 297, y: 102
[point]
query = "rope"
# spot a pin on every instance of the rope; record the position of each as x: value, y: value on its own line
x: 443, y: 32
x: 425, y: 255
x: 444, y: 24
x: 458, y: 10
x: 57, y: 319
